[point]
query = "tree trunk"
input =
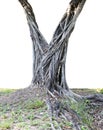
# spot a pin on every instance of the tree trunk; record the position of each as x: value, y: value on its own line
x: 49, y: 59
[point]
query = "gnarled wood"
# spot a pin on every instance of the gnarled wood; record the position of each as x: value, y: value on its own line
x: 40, y: 45
x: 50, y: 59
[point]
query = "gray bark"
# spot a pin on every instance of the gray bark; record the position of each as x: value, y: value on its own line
x: 49, y: 59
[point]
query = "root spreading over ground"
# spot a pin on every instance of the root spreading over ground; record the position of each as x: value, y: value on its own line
x: 87, y: 114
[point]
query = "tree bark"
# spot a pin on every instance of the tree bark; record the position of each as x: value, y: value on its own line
x: 49, y: 59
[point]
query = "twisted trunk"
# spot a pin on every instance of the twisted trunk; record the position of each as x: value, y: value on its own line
x: 49, y: 60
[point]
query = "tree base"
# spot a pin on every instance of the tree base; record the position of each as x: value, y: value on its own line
x: 61, y: 108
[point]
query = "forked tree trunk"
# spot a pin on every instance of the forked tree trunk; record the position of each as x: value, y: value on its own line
x: 49, y: 59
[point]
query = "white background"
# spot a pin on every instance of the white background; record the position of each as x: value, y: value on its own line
x: 84, y: 68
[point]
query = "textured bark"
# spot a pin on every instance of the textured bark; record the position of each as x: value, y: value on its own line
x: 49, y: 62
x: 49, y: 59
x: 40, y: 46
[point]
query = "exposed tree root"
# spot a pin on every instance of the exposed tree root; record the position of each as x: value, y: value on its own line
x: 95, y: 97
x: 59, y: 107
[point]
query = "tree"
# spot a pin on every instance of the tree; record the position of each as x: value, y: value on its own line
x: 49, y: 59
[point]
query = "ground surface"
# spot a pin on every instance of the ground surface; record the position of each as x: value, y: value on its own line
x: 26, y: 110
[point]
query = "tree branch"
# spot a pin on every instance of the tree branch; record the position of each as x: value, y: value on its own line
x: 34, y: 26
x: 54, y: 60
x: 40, y: 45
